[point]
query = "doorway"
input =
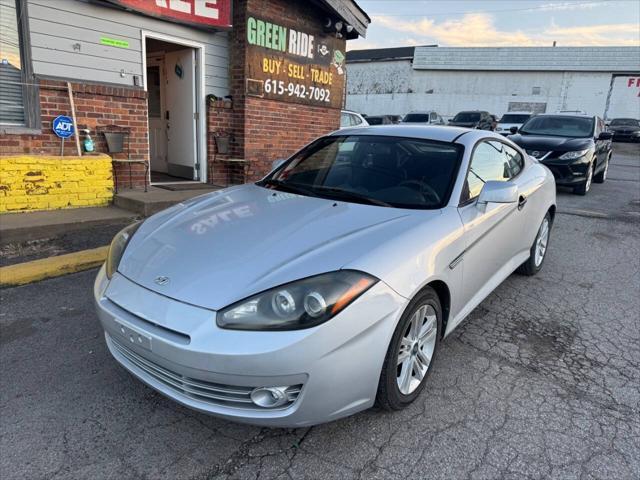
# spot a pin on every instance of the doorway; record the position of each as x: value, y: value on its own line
x: 173, y: 82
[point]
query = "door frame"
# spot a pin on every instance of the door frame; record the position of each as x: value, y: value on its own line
x: 200, y: 134
x: 160, y: 62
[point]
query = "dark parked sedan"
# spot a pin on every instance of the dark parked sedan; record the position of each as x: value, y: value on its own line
x: 625, y: 129
x: 576, y: 148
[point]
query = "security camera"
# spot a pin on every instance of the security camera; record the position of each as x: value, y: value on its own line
x: 339, y: 26
x: 349, y: 28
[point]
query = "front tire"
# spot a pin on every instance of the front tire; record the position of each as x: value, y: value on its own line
x: 585, y: 186
x: 602, y: 176
x: 538, y: 250
x: 411, y: 353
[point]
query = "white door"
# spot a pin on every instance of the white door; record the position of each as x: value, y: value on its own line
x: 181, y: 113
x: 156, y: 107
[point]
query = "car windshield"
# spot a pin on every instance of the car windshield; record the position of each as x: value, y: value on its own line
x: 514, y: 118
x: 467, y: 117
x: 376, y: 170
x: 559, y: 126
x: 624, y: 122
x: 416, y: 118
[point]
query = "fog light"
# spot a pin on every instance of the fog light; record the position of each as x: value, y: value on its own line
x: 269, y: 397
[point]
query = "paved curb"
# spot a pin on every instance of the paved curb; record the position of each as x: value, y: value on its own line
x: 37, y: 270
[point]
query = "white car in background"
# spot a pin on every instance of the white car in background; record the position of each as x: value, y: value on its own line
x: 349, y: 119
x: 512, y: 119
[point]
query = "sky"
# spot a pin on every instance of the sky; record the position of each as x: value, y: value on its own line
x: 458, y: 23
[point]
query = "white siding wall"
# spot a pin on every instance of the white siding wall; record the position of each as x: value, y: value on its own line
x: 57, y: 25
x: 393, y: 87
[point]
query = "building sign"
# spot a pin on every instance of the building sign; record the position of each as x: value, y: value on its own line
x: 62, y: 126
x: 201, y: 13
x: 293, y: 65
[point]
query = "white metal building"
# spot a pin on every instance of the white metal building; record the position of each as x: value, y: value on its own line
x: 602, y: 81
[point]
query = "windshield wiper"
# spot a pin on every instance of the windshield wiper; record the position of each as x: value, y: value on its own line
x: 347, y: 194
x: 290, y: 187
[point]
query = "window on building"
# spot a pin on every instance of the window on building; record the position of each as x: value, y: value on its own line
x: 535, y: 90
x: 18, y: 95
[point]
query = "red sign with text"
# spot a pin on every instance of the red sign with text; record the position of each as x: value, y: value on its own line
x: 201, y: 13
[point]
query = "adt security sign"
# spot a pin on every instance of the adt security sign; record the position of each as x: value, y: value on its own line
x: 63, y: 126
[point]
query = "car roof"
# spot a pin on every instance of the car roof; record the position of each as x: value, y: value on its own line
x: 565, y: 114
x: 438, y: 133
x: 350, y: 111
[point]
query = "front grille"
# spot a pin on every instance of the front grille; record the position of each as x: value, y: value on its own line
x: 538, y: 153
x: 212, y: 393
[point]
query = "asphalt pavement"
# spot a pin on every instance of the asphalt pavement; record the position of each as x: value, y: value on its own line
x: 541, y: 381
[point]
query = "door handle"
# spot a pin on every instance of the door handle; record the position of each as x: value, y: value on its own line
x: 522, y: 201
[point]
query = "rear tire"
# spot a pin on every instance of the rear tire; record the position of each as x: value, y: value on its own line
x: 415, y: 342
x: 538, y: 251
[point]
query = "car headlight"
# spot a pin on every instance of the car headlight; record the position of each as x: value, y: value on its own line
x: 573, y: 155
x: 301, y: 304
x: 117, y: 247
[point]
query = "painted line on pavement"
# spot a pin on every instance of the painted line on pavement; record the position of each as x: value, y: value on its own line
x: 36, y: 270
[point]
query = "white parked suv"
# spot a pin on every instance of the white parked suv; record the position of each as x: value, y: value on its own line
x: 512, y: 119
x: 350, y: 119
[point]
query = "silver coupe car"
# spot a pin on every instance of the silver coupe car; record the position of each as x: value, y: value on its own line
x: 329, y: 285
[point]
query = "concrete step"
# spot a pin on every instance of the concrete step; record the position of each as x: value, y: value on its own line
x: 155, y: 200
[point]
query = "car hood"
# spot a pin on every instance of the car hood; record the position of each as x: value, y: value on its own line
x: 546, y: 143
x: 624, y: 128
x: 507, y: 126
x: 463, y: 124
x: 227, y: 245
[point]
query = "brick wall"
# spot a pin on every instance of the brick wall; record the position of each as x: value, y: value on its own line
x: 264, y: 130
x: 38, y: 182
x: 97, y: 107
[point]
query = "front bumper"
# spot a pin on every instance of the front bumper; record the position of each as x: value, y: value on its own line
x: 626, y: 136
x: 568, y: 173
x: 177, y: 349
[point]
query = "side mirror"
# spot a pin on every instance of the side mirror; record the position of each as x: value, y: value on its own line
x: 605, y: 136
x: 276, y: 163
x: 498, y: 192
x: 513, y: 129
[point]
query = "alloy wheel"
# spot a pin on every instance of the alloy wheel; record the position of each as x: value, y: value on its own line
x: 541, y: 242
x: 416, y: 349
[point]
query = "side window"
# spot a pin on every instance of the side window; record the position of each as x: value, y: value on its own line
x: 355, y: 120
x: 514, y: 160
x: 433, y: 117
x: 345, y: 120
x: 488, y: 163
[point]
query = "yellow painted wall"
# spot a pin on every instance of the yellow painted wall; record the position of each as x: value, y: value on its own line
x: 33, y: 182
